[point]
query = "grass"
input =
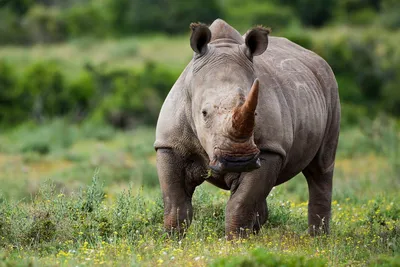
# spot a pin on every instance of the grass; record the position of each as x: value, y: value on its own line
x: 174, y: 52
x: 127, y: 52
x: 95, y: 200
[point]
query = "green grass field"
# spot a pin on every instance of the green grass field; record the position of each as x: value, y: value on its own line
x: 91, y: 197
x: 113, y: 53
x: 174, y: 52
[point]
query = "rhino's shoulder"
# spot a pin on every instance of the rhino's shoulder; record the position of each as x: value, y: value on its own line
x: 174, y: 129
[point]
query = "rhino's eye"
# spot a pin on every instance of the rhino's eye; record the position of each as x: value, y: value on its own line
x: 204, y: 112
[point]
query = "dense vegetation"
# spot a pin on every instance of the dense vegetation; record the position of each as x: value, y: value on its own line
x: 366, y: 60
x: 76, y: 190
x: 32, y: 21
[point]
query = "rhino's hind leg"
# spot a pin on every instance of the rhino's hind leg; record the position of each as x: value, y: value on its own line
x: 319, y: 204
x: 177, y: 190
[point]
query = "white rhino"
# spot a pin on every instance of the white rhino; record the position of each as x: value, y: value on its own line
x: 246, y: 118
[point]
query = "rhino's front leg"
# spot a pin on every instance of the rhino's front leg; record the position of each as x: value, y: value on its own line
x: 177, y: 188
x: 246, y: 210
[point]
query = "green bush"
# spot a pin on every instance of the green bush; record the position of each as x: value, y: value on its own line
x: 123, y: 97
x: 87, y: 19
x: 11, y: 108
x: 299, y: 36
x: 81, y: 95
x: 357, y: 12
x: 386, y: 261
x: 389, y: 16
x: 243, y: 14
x: 352, y: 114
x: 161, y: 16
x: 11, y: 30
x: 46, y: 139
x: 20, y: 7
x: 53, y: 21
x: 5, y: 222
x: 132, y: 97
x: 43, y: 90
x: 261, y: 257
x: 45, y: 24
x: 313, y: 13
x: 365, y: 68
x: 364, y: 16
x: 365, y: 65
x: 391, y: 97
x: 52, y: 219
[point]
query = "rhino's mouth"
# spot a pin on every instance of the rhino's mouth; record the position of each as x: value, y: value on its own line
x: 228, y: 163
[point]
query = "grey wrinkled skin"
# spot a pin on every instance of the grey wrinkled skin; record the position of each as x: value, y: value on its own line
x: 296, y: 126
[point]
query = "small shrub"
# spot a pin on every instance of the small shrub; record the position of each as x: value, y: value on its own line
x: 94, y: 195
x: 87, y: 19
x: 42, y: 230
x: 50, y: 137
x: 124, y: 90
x: 80, y: 95
x: 101, y: 132
x: 299, y: 37
x: 11, y: 109
x: 250, y: 13
x: 385, y: 261
x: 389, y: 15
x: 40, y: 146
x: 159, y: 16
x: 262, y: 257
x: 279, y: 212
x: 43, y: 91
x: 312, y: 12
x: 125, y: 48
x: 11, y: 31
x: 45, y: 24
x: 363, y: 16
x: 5, y: 222
x: 352, y: 115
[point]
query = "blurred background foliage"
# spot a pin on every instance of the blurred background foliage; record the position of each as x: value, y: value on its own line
x: 358, y: 38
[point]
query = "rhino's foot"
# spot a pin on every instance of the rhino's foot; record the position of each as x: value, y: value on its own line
x: 245, y: 221
x: 261, y: 217
x: 318, y: 226
x: 178, y: 220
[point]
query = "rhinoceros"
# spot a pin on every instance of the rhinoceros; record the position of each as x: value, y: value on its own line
x: 246, y: 118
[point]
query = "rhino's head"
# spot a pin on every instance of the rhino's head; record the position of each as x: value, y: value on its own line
x: 224, y: 93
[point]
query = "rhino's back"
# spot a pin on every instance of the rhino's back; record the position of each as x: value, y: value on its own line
x: 298, y: 103
x: 290, y: 60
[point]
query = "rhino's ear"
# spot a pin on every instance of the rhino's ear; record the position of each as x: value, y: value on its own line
x: 256, y: 41
x: 201, y: 36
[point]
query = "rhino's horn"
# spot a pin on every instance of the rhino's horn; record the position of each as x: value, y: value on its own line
x: 244, y: 116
